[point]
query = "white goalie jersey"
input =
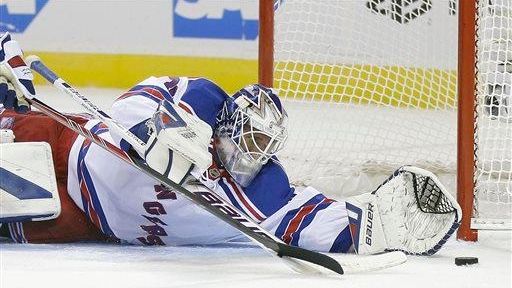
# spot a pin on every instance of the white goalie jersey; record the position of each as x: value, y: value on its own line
x: 131, y: 207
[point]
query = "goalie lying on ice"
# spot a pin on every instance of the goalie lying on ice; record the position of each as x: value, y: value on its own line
x: 204, y: 139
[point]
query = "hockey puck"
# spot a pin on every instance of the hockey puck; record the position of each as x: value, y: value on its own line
x: 459, y: 261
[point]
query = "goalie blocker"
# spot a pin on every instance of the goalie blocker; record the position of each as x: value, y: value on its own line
x: 410, y: 212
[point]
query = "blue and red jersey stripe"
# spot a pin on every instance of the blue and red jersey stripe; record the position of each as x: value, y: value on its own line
x: 90, y: 201
x: 296, y: 220
x: 151, y: 92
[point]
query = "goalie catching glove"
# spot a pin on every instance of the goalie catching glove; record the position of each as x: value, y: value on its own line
x: 177, y: 140
x: 411, y: 212
x: 15, y: 76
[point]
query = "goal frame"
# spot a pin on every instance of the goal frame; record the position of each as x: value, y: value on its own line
x: 466, y: 92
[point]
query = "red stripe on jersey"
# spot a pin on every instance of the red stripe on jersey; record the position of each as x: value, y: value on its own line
x: 295, y: 223
x: 126, y: 95
x: 16, y: 61
x: 154, y: 92
x: 92, y: 213
x: 185, y: 107
x: 297, y: 220
x: 151, y: 91
x: 241, y: 197
x: 353, y: 231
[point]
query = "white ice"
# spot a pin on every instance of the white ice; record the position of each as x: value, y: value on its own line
x: 105, y: 265
x: 108, y: 265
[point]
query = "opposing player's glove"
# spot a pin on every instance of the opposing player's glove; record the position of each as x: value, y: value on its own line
x: 15, y: 76
x: 411, y: 212
x: 178, y: 140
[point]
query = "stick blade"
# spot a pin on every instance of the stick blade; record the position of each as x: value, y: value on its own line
x: 366, y: 263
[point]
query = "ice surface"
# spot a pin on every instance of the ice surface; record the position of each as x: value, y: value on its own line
x: 107, y: 265
x: 104, y: 265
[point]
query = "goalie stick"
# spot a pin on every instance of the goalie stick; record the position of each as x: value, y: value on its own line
x: 208, y: 200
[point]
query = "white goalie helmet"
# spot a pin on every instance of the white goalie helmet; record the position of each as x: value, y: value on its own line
x: 252, y: 129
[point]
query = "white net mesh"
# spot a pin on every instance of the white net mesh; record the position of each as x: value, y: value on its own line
x: 371, y: 86
x: 493, y: 175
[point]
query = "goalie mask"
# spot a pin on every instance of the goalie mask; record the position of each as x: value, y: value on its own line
x: 252, y: 129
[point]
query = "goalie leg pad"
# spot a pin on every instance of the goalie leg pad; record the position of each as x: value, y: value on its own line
x: 411, y: 212
x: 28, y: 187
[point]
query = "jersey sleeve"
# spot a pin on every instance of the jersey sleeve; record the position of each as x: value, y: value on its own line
x: 270, y: 190
x: 197, y: 96
x: 203, y: 98
x: 137, y: 105
x: 312, y: 221
x: 301, y: 217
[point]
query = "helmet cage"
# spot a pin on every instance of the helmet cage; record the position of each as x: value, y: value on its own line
x: 252, y: 129
x: 255, y: 138
x: 259, y: 128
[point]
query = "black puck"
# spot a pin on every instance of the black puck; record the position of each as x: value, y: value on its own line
x: 459, y: 261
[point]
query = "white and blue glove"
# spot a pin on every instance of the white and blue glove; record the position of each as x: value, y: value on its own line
x: 177, y: 141
x: 411, y: 212
x: 15, y: 76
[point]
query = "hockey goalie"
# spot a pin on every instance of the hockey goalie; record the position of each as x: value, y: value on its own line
x: 57, y: 186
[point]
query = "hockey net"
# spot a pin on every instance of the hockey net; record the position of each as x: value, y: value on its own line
x: 372, y: 85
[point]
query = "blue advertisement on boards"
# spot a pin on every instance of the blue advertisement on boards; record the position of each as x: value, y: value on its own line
x: 16, y: 16
x: 227, y: 19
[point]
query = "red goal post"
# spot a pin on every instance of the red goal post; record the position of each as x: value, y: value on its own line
x: 451, y: 116
x: 466, y: 116
x: 266, y: 43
